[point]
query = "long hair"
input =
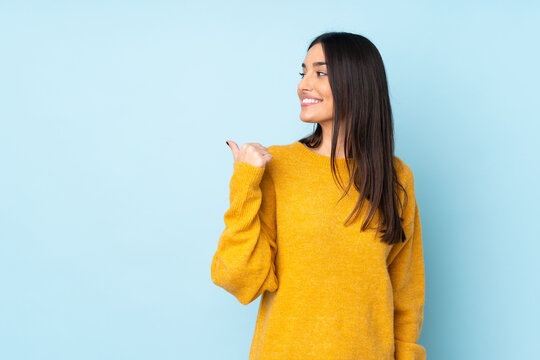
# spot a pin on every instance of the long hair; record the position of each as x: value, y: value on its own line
x: 362, y: 108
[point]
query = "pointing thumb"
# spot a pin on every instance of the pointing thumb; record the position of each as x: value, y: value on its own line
x: 234, y: 148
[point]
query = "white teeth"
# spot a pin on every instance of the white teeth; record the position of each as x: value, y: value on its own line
x: 307, y: 100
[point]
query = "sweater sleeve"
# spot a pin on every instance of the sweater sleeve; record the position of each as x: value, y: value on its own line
x: 244, y: 263
x: 406, y: 271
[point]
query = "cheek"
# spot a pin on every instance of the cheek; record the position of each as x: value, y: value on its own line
x: 329, y: 102
x: 329, y: 99
x: 328, y: 94
x: 330, y: 107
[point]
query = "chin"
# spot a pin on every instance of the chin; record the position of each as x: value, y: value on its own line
x: 313, y: 119
x: 309, y: 118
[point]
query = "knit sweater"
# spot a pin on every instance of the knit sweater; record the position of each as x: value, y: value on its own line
x: 329, y: 291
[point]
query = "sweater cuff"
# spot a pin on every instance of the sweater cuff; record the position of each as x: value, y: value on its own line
x: 409, y: 351
x: 245, y: 174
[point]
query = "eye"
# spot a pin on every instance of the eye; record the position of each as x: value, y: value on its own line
x: 318, y: 72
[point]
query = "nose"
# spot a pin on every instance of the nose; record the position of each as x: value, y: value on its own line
x: 305, y: 83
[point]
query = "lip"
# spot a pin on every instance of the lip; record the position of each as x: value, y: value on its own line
x: 304, y: 105
x: 309, y: 97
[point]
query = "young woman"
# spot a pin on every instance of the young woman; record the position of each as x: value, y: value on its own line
x: 341, y: 269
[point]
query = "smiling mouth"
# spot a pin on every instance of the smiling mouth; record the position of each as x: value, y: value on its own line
x: 308, y: 102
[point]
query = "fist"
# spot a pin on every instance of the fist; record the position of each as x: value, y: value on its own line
x: 251, y: 153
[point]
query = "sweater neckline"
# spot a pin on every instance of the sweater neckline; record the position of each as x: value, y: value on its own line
x: 318, y: 157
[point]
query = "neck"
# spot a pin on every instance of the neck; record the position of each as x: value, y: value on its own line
x: 325, y: 148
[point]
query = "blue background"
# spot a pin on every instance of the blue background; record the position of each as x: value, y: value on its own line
x: 114, y: 168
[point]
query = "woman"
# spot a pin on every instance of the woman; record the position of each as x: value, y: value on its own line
x: 333, y: 288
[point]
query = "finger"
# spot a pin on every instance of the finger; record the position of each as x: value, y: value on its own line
x: 234, y: 148
x: 262, y: 149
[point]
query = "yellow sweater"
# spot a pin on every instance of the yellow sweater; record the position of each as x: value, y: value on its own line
x: 329, y: 291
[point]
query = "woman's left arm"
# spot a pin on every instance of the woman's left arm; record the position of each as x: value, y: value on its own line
x: 406, y: 270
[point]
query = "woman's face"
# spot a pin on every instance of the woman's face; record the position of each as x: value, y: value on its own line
x: 315, y: 87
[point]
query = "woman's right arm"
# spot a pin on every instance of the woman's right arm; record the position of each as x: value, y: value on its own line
x: 244, y: 263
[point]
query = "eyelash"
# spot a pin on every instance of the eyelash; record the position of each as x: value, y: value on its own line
x: 318, y: 72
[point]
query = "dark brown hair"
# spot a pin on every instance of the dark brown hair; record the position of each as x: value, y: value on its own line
x: 359, y: 87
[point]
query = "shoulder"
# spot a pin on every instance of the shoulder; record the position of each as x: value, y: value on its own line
x: 408, y: 197
x: 282, y: 155
x: 405, y: 177
x: 403, y: 171
x: 281, y: 152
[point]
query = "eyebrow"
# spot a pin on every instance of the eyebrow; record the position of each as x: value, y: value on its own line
x: 317, y: 63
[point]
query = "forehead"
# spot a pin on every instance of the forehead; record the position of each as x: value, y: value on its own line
x: 314, y: 55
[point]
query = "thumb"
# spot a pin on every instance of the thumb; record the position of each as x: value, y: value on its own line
x: 234, y: 148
